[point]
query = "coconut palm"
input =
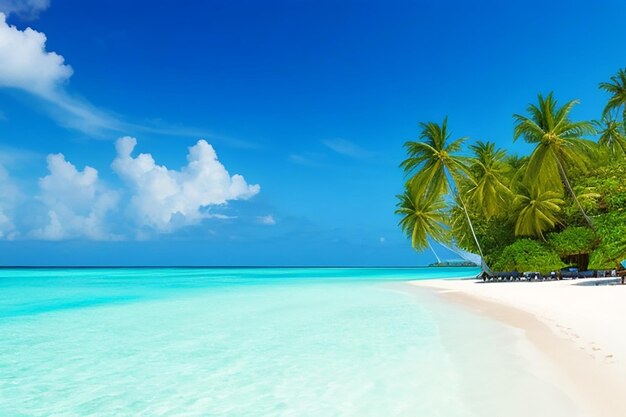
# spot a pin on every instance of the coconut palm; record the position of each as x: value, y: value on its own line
x: 434, y: 165
x: 422, y: 217
x: 434, y: 159
x: 612, y: 135
x: 516, y: 162
x: 559, y: 145
x: 489, y: 192
x: 617, y: 89
x: 537, y: 210
x: 516, y: 167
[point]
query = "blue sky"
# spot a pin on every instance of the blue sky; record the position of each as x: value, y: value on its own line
x: 309, y: 104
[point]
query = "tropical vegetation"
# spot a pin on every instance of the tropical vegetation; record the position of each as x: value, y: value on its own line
x: 562, y: 204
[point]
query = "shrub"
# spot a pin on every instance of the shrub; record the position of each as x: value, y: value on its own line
x: 612, y: 248
x: 573, y: 241
x: 528, y: 255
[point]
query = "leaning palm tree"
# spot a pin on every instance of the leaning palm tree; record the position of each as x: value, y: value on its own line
x: 489, y: 192
x: 434, y: 161
x: 536, y: 210
x: 612, y: 135
x: 617, y: 89
x: 434, y: 166
x: 559, y: 145
x: 423, y: 217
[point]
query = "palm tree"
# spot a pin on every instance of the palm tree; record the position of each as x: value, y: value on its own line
x: 432, y: 160
x: 422, y: 217
x: 434, y: 165
x: 516, y: 167
x: 489, y: 193
x: 612, y: 135
x: 617, y: 88
x: 559, y: 144
x: 516, y: 162
x: 536, y: 210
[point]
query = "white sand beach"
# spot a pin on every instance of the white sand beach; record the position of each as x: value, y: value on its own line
x: 580, y: 325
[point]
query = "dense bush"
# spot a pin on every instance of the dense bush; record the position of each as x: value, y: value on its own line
x: 603, y: 190
x: 573, y: 241
x: 612, y: 233
x: 528, y: 255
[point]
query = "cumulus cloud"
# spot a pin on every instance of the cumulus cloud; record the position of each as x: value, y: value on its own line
x: 25, y: 8
x: 77, y: 202
x: 267, y: 220
x: 25, y: 62
x: 165, y: 199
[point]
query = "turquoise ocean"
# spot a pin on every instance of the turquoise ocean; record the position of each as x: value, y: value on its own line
x: 254, y: 342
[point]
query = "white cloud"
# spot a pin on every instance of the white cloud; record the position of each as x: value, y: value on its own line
x: 165, y: 199
x: 26, y: 64
x: 74, y: 203
x: 77, y: 203
x: 24, y: 8
x: 268, y: 220
x: 346, y: 148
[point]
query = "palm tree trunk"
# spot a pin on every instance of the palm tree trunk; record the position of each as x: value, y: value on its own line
x: 469, y: 221
x: 433, y: 251
x: 452, y: 182
x: 571, y: 191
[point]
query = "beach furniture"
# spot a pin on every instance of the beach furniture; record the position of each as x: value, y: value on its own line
x: 533, y: 275
x: 569, y: 272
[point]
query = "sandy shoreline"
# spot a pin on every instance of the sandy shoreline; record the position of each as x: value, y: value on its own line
x: 578, y: 325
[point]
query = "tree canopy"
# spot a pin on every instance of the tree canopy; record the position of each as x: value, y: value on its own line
x: 529, y: 212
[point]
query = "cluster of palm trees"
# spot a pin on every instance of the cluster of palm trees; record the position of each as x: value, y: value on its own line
x: 445, y: 189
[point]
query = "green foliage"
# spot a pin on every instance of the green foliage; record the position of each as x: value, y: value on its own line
x: 612, y: 136
x: 489, y: 193
x: 559, y: 146
x: 558, y: 141
x: 494, y: 202
x: 537, y: 211
x: 612, y: 233
x: 617, y: 89
x: 607, y: 183
x: 435, y: 167
x: 422, y: 216
x: 528, y: 255
x: 431, y: 160
x: 573, y: 241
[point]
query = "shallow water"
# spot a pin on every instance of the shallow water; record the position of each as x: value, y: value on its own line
x: 254, y: 342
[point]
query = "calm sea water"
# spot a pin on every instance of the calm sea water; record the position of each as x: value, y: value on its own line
x: 253, y: 343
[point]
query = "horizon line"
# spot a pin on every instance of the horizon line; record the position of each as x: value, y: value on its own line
x: 219, y: 267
